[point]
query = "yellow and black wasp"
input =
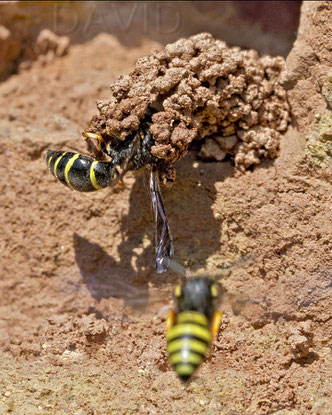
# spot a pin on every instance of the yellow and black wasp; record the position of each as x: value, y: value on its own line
x: 193, y: 324
x: 85, y: 174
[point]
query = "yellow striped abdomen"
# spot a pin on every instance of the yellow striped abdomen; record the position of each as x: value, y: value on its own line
x: 187, y: 342
x: 79, y: 172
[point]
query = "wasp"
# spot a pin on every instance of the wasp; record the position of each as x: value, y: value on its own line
x: 194, y: 323
x: 86, y: 174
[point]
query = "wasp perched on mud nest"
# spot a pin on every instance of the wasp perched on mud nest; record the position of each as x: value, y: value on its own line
x: 86, y: 174
x: 191, y: 327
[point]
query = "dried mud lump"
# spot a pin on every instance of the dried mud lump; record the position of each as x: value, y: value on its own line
x: 201, y: 89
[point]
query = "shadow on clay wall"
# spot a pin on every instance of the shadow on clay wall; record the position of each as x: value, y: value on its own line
x: 195, y: 231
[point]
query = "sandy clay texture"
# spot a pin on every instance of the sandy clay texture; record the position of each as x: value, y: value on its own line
x: 82, y: 310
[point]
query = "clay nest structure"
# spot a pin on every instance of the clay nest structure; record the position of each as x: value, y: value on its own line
x: 201, y: 89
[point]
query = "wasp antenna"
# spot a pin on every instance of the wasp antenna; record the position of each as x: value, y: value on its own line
x: 93, y: 135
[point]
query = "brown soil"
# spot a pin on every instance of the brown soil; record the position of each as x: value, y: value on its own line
x: 82, y: 328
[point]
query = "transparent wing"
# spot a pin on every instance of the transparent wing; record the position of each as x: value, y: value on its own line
x: 164, y: 243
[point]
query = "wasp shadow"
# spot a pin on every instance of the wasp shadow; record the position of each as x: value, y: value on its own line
x: 102, y: 275
x: 188, y: 203
x: 195, y: 231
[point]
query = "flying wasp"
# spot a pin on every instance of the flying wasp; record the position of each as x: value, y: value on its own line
x: 86, y: 174
x: 194, y: 323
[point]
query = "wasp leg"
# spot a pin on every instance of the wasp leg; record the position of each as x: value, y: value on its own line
x: 216, y: 322
x: 215, y: 326
x: 121, y: 183
x: 127, y: 163
x: 170, y: 320
x: 118, y: 180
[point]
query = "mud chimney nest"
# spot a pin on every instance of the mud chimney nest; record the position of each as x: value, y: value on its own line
x: 229, y: 98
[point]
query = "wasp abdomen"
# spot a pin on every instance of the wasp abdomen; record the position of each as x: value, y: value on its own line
x: 187, y: 342
x: 79, y: 172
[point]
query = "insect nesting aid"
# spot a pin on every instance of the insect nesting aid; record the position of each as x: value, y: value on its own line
x: 196, y: 88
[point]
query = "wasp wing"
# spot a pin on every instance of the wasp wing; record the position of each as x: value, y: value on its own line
x: 163, y: 237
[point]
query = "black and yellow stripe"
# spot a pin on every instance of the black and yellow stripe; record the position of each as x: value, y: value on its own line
x: 79, y: 172
x: 187, y: 342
